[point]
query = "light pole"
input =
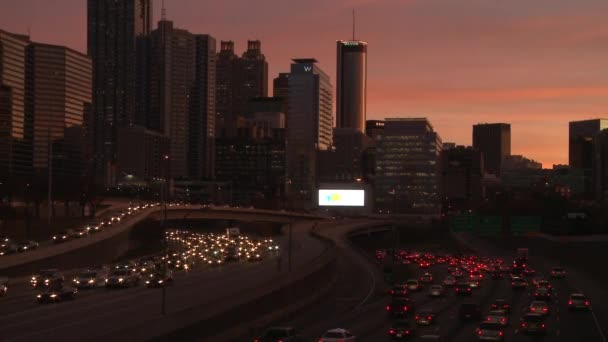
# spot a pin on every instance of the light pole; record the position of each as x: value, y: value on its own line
x: 163, y: 191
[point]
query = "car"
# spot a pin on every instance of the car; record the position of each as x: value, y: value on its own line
x: 542, y: 293
x: 474, y: 284
x: 398, y: 290
x: 533, y: 323
x: 498, y: 316
x: 558, y: 272
x: 424, y: 317
x: 146, y: 267
x: 276, y: 334
x: 544, y: 283
x: 413, y: 285
x: 490, y: 332
x: 129, y: 265
x: 436, y: 291
x: 89, y: 279
x: 47, y: 278
x: 25, y: 246
x: 3, y: 286
x: 121, y: 278
x: 4, y: 241
x: 431, y: 338
x: 501, y: 304
x: 81, y: 232
x: 457, y: 274
x: 159, y: 279
x: 424, y: 264
x: 254, y: 256
x: 528, y: 271
x: 495, y: 275
x: 538, y: 307
x: 463, y: 289
x: 518, y: 283
x: 578, y: 301
x: 400, y: 306
x: 56, y: 294
x: 476, y: 276
x: 426, y: 278
x: 449, y: 281
x: 94, y: 227
x: 63, y: 236
x: 401, y: 330
x: 337, y: 335
x: 469, y: 311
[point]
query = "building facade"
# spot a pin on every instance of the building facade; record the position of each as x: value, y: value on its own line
x: 407, y: 167
x: 351, y: 84
x: 309, y: 123
x: 461, y: 178
x: 60, y: 84
x: 113, y: 29
x: 494, y: 142
x: 345, y: 161
x: 15, y: 126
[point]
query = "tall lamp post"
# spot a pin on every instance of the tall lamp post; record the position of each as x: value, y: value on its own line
x: 163, y: 193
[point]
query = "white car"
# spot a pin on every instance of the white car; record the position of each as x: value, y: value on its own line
x: 337, y: 335
x: 498, y: 317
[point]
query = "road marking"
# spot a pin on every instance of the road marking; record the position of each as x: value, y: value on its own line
x: 597, y: 325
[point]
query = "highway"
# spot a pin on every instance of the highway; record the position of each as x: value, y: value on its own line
x: 350, y: 306
x: 98, y: 313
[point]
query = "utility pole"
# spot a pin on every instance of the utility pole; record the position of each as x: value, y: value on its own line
x: 50, y: 167
x: 290, y: 245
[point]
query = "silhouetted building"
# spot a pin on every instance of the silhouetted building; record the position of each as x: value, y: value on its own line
x: 142, y: 155
x: 113, y: 29
x: 280, y: 86
x: 351, y: 84
x: 448, y: 145
x: 310, y: 124
x: 15, y: 126
x: 520, y: 172
x: 60, y: 87
x: 600, y: 165
x: 182, y: 98
x: 344, y: 162
x: 240, y: 79
x: 407, y: 167
x: 580, y: 148
x: 494, y: 142
x: 461, y: 178
x: 374, y: 128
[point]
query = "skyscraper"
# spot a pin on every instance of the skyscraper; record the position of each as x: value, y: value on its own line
x: 253, y: 75
x: 580, y: 148
x: 113, y: 28
x: 374, y: 128
x: 280, y: 86
x: 182, y: 97
x: 60, y: 84
x: 494, y: 142
x: 309, y: 123
x: 15, y: 125
x: 461, y: 177
x: 407, y: 167
x: 351, y: 84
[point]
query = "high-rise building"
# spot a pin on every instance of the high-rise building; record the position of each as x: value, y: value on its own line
x: 15, y: 125
x: 59, y: 80
x: 239, y: 79
x: 580, y: 148
x: 374, y: 128
x: 280, y: 86
x: 182, y: 98
x: 461, y: 178
x: 600, y: 165
x: 309, y: 123
x: 113, y: 29
x: 407, y: 167
x: 351, y: 84
x: 494, y: 142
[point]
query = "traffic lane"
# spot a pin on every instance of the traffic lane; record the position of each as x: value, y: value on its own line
x: 111, y: 311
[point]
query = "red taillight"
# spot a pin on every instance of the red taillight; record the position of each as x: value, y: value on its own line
x: 488, y: 319
x: 405, y: 308
x: 391, y: 331
x: 503, y: 320
x: 532, y: 309
x: 407, y: 332
x: 587, y: 302
x: 542, y: 325
x: 500, y: 333
x: 523, y: 325
x: 545, y: 309
x: 416, y: 317
x: 479, y: 332
x: 429, y: 318
x: 388, y: 308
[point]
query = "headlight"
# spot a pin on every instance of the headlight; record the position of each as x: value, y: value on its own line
x: 39, y: 296
x: 107, y: 280
x: 76, y: 280
x: 91, y: 281
x: 33, y: 278
x: 120, y: 280
x: 53, y: 295
x: 147, y: 282
x: 160, y: 281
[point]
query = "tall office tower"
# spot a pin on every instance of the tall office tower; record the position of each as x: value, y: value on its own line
x: 253, y: 70
x: 407, y: 167
x: 182, y: 98
x: 374, y: 128
x: 227, y: 77
x: 280, y: 86
x: 494, y: 142
x: 580, y: 148
x: 351, y: 84
x: 600, y: 165
x: 60, y: 84
x: 15, y: 125
x: 309, y: 125
x: 113, y: 29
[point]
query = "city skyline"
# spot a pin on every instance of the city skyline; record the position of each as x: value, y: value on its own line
x: 536, y: 67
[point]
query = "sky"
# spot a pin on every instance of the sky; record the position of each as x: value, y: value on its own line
x: 534, y: 64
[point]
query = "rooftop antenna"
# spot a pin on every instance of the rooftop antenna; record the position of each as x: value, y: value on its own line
x: 163, y: 11
x: 353, y: 24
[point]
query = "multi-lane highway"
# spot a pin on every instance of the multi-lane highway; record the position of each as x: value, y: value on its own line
x: 99, y: 313
x: 350, y: 306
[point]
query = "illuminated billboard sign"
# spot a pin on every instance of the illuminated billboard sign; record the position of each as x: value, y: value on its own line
x: 341, y: 198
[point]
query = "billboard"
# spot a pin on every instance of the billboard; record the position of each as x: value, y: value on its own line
x: 341, y: 198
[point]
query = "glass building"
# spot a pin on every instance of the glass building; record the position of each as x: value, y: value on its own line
x: 407, y: 167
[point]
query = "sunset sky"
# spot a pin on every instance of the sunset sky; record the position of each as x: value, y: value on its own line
x: 536, y: 64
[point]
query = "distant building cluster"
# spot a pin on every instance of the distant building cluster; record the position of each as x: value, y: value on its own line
x: 162, y: 106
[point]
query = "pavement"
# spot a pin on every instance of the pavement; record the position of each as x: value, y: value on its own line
x: 99, y: 313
